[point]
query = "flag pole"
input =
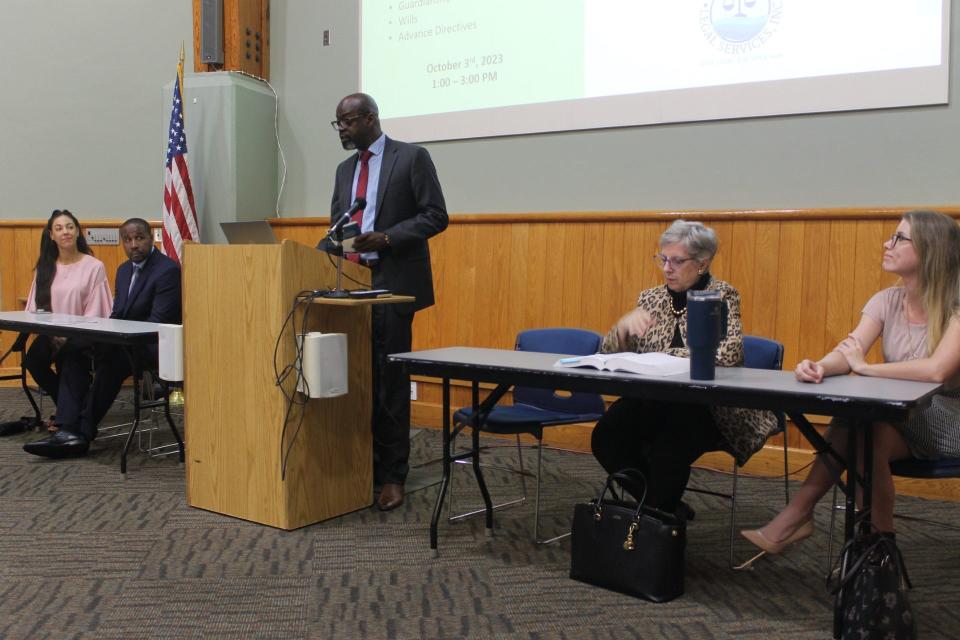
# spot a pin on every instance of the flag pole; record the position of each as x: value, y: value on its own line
x: 176, y: 395
x: 180, y: 78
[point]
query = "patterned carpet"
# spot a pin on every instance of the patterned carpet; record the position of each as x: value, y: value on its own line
x: 87, y: 554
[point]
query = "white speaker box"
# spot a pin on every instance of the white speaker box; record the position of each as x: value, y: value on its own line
x: 171, y: 352
x: 324, y: 365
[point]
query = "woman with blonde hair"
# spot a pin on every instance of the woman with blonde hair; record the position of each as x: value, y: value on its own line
x: 918, y: 321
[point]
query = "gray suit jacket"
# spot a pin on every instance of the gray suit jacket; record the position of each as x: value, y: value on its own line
x: 410, y: 209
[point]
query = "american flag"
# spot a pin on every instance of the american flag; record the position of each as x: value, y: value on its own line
x: 179, y: 212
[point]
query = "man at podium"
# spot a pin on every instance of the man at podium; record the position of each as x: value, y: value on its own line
x: 404, y: 208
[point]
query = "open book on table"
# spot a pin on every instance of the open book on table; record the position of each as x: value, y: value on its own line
x: 648, y: 364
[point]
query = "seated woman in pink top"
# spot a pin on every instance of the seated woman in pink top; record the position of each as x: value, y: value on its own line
x: 68, y: 279
x: 919, y: 323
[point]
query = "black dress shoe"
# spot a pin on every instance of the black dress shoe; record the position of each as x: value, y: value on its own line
x: 60, y: 444
x: 391, y: 496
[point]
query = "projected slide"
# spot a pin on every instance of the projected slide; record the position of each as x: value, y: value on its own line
x: 462, y: 68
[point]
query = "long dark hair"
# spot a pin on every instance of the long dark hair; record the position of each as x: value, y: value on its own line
x: 49, y: 252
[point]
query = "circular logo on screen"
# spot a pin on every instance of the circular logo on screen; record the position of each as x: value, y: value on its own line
x: 748, y: 23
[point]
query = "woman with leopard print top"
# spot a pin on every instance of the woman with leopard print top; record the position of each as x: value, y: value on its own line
x: 663, y: 439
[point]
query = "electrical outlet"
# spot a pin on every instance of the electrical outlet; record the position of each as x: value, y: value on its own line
x: 413, y: 390
x: 157, y: 235
x: 326, y: 37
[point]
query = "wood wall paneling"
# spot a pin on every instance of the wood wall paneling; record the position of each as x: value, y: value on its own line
x: 803, y: 276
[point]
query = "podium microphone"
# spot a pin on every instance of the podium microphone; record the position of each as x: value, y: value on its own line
x: 358, y: 204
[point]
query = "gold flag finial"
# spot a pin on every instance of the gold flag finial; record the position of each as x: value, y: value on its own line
x: 177, y: 397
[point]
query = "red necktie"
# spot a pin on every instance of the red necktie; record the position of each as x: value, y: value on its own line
x: 361, y: 193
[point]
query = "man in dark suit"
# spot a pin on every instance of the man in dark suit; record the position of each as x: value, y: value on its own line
x: 404, y: 207
x: 147, y: 288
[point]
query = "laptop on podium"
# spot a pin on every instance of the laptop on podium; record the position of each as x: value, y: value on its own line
x: 253, y: 232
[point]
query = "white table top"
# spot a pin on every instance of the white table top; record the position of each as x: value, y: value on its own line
x: 745, y: 387
x: 47, y: 323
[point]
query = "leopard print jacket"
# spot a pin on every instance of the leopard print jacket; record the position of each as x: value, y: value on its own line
x: 745, y: 430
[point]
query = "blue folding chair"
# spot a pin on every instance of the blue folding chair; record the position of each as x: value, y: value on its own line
x: 758, y: 353
x: 535, y: 409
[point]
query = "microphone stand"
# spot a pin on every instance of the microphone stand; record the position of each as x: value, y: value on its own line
x: 338, y: 291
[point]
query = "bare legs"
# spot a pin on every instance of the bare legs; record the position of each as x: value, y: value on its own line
x: 888, y: 445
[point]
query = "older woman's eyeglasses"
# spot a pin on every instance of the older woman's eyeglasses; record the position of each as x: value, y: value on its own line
x: 662, y: 261
x: 898, y: 237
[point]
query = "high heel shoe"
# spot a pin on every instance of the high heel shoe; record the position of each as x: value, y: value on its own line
x: 805, y: 530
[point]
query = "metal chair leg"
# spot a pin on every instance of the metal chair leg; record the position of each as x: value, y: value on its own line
x: 786, y: 471
x: 523, y: 475
x: 536, y: 499
x: 536, y: 513
x: 453, y: 468
x: 733, y: 510
x: 833, y: 520
x: 508, y: 503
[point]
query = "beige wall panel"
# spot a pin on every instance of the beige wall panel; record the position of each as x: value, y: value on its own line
x: 766, y: 277
x: 813, y: 309
x: 518, y: 279
x: 839, y: 280
x: 788, y: 307
x: 592, y: 281
x: 740, y: 262
x: 609, y: 295
x: 541, y: 241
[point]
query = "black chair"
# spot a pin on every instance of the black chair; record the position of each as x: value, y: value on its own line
x: 758, y: 353
x: 906, y: 468
x: 535, y: 409
x: 152, y: 391
x: 926, y: 470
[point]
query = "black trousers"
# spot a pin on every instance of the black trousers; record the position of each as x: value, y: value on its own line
x: 39, y: 360
x: 392, y: 333
x: 661, y: 439
x: 86, y: 404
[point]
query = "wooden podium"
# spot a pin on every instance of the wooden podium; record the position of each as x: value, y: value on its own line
x: 238, y: 434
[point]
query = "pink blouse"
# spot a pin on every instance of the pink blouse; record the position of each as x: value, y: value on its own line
x: 902, y: 340
x: 78, y: 289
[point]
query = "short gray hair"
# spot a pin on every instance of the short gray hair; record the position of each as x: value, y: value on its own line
x: 699, y: 240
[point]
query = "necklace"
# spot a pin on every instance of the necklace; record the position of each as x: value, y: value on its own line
x: 919, y: 349
x: 917, y: 332
x: 677, y: 313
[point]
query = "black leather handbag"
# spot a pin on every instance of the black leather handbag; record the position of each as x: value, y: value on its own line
x: 628, y: 547
x: 871, y: 600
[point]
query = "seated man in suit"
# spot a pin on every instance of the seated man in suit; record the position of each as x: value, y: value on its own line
x: 147, y: 288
